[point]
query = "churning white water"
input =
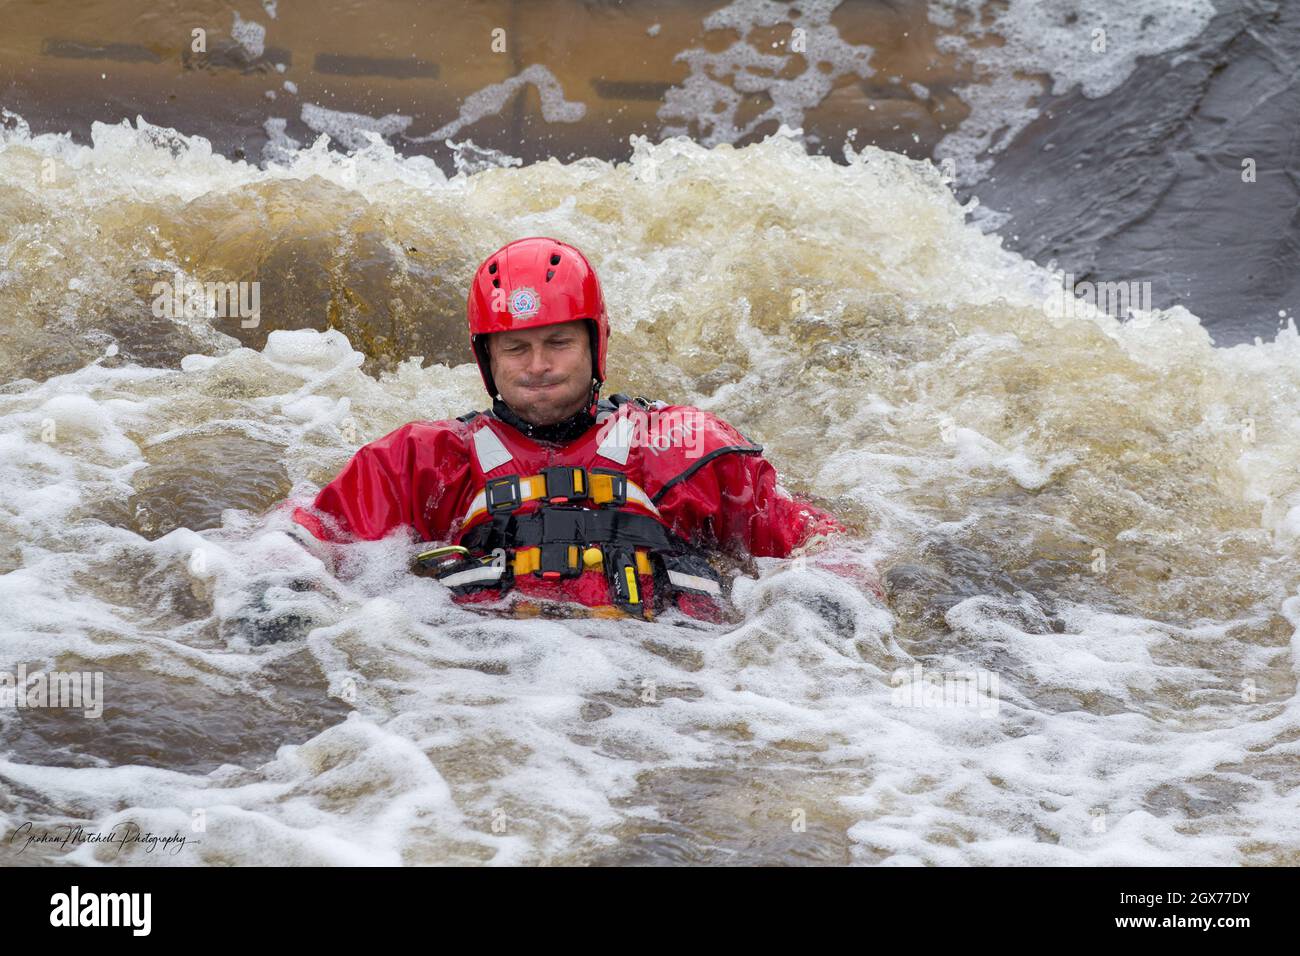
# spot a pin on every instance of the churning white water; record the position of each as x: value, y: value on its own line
x: 1094, y: 521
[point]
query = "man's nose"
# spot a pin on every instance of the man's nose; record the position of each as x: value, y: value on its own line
x: 539, y: 361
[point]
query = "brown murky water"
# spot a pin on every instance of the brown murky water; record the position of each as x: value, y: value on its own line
x: 1098, y: 519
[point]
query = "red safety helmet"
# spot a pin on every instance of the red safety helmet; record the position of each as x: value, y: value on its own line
x: 533, y: 282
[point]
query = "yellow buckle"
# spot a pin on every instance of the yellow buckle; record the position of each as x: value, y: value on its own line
x: 527, y: 560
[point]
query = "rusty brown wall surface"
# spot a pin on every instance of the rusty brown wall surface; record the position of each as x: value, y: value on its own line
x: 65, y: 65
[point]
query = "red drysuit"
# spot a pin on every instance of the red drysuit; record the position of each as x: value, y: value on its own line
x: 688, y: 470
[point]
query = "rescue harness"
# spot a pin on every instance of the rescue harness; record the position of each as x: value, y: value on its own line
x: 562, y: 522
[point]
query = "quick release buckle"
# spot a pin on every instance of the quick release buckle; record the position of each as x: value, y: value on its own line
x: 566, y: 483
x: 502, y: 494
x: 560, y: 560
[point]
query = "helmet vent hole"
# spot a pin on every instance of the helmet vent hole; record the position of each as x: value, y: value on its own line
x: 492, y: 269
x: 555, y: 258
x: 496, y: 283
x: 549, y: 273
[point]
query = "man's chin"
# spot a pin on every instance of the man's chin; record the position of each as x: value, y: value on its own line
x: 538, y: 413
x: 536, y: 417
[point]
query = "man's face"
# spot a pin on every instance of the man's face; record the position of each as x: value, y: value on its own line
x: 544, y: 374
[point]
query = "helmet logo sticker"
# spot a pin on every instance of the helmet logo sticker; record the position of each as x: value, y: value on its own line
x: 524, y: 302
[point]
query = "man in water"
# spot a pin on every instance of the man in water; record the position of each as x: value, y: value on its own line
x: 556, y: 494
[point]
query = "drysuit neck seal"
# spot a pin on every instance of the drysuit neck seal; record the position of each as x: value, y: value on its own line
x: 561, y: 432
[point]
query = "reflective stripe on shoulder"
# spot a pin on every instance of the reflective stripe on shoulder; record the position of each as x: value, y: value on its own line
x: 489, y: 450
x: 617, y: 443
x: 634, y: 493
x: 693, y: 582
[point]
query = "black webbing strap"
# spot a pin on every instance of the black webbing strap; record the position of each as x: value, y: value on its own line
x: 561, y: 525
x: 619, y: 533
x: 701, y: 462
